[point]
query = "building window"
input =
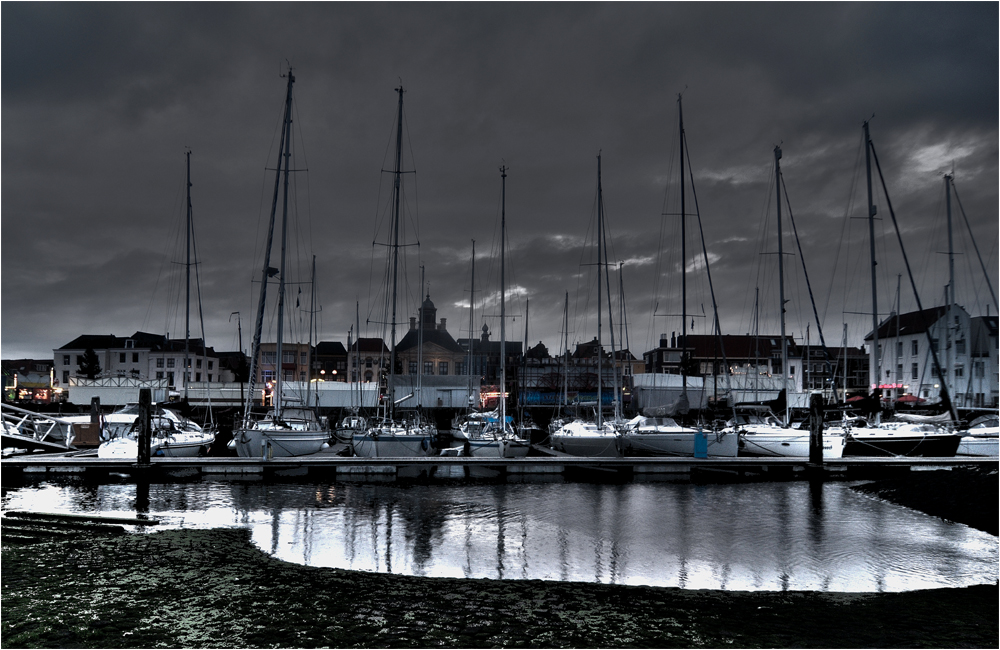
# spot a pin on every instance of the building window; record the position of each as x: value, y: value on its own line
x: 170, y: 364
x: 268, y: 357
x: 934, y: 344
x: 159, y: 375
x: 302, y: 376
x: 368, y: 364
x: 209, y: 365
x: 288, y: 356
x: 159, y: 362
x: 135, y: 357
x: 460, y: 368
x: 443, y: 368
x: 960, y: 346
x: 288, y: 375
x: 914, y: 371
x: 428, y: 367
x: 129, y: 343
x: 267, y: 376
x: 65, y: 359
x: 899, y: 348
x: 899, y: 371
x: 209, y: 377
x: 914, y: 347
x: 959, y: 370
x: 170, y: 378
x: 979, y: 368
x: 197, y: 364
x: 302, y: 358
x: 121, y: 357
x: 197, y: 376
x: 65, y: 377
x: 413, y: 367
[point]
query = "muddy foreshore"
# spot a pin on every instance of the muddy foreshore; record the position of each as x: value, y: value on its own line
x: 213, y: 588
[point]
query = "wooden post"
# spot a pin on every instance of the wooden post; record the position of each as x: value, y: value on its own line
x: 145, y: 427
x: 816, y: 429
x: 95, y: 411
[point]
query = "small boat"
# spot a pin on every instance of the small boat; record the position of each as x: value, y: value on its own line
x: 483, y: 436
x: 980, y: 439
x: 172, y: 436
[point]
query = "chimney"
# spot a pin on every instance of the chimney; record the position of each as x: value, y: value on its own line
x: 413, y: 322
x: 442, y: 325
x: 663, y: 340
x: 673, y: 339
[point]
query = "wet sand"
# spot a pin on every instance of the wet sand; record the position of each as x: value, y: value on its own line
x: 213, y: 588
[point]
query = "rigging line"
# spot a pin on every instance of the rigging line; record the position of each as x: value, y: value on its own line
x: 708, y: 272
x: 846, y: 220
x: 946, y: 398
x: 805, y: 272
x: 973, y: 238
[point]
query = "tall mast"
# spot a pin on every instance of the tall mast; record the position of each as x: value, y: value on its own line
x: 472, y: 309
x: 949, y: 300
x: 309, y: 352
x: 420, y: 343
x: 683, y: 341
x: 397, y: 174
x: 267, y: 272
x: 278, y: 404
x: 600, y: 230
x: 871, y: 242
x: 781, y: 285
x: 503, y: 301
x: 566, y: 351
x: 187, y: 284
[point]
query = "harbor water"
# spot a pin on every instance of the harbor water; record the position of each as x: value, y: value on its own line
x: 770, y: 536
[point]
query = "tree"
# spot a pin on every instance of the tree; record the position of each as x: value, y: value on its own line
x: 90, y: 365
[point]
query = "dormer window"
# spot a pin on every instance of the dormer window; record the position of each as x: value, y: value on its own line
x: 129, y: 343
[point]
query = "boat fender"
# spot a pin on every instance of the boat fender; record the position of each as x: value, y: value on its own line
x: 423, y: 444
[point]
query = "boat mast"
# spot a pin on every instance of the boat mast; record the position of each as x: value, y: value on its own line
x: 397, y: 174
x: 949, y: 300
x: 683, y: 341
x: 503, y: 301
x: 565, y: 352
x: 781, y: 286
x: 600, y: 364
x: 876, y: 365
x: 309, y: 352
x: 267, y: 271
x: 187, y: 283
x: 277, y: 403
x: 472, y: 309
x: 420, y: 343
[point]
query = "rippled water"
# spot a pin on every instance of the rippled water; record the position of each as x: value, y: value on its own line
x: 757, y: 536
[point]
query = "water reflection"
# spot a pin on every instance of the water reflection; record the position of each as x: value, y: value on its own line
x: 765, y: 536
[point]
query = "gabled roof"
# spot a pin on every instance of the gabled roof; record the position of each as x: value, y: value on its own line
x: 373, y: 345
x: 330, y: 349
x: 93, y: 341
x: 441, y: 338
x: 914, y: 322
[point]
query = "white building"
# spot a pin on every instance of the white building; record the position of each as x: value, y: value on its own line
x: 966, y: 349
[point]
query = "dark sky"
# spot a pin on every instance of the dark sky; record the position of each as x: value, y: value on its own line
x: 101, y: 100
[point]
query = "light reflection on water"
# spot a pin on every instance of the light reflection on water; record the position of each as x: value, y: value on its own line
x: 758, y: 536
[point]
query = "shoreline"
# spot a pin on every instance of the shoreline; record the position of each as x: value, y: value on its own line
x: 213, y: 588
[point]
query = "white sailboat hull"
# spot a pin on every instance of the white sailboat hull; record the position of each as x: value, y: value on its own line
x: 390, y: 445
x: 179, y: 445
x: 978, y: 446
x: 278, y: 443
x: 586, y: 439
x: 790, y: 443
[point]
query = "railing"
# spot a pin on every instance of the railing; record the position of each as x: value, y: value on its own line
x: 40, y: 427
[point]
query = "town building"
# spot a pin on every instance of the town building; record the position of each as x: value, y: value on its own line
x: 966, y: 350
x: 431, y: 345
x: 28, y: 380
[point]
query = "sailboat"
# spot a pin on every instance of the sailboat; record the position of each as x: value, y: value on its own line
x: 598, y: 437
x: 492, y: 434
x: 171, y: 435
x: 287, y: 429
x: 767, y: 435
x: 659, y: 435
x: 387, y: 436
